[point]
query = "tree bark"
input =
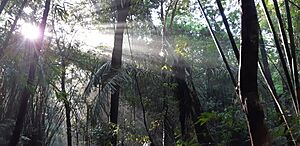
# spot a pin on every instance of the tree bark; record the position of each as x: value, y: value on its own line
x: 66, y: 102
x: 184, y: 100
x: 26, y: 92
x: 259, y: 134
x: 116, y: 61
x: 189, y: 106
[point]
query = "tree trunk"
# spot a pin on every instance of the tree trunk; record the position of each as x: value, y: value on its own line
x: 66, y: 102
x: 218, y: 45
x: 26, y: 92
x: 143, y: 108
x: 122, y: 12
x: 268, y: 78
x: 189, y: 105
x: 68, y: 121
x: 259, y: 134
x: 284, y: 37
x: 184, y: 101
x: 293, y: 52
x: 87, y: 125
x: 281, y: 55
x: 230, y: 36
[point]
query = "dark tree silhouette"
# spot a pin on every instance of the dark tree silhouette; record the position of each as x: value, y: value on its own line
x: 259, y: 135
x: 116, y: 61
x: 27, y: 91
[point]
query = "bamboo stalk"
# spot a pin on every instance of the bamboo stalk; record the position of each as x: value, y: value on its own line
x: 281, y: 56
x: 218, y: 45
x: 293, y: 52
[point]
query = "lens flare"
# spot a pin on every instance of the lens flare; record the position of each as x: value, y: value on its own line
x: 30, y: 31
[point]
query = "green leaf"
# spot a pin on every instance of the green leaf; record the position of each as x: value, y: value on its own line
x: 61, y: 96
x: 205, y: 117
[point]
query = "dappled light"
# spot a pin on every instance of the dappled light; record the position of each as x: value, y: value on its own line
x: 149, y: 73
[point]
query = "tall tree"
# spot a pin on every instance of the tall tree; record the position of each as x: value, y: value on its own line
x: 264, y: 69
x: 27, y: 91
x: 66, y: 101
x: 248, y: 89
x: 293, y: 52
x: 281, y: 55
x: 116, y: 61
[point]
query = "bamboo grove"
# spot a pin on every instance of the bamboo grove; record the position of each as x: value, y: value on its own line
x: 149, y: 72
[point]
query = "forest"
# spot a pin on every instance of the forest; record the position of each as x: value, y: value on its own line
x: 149, y: 73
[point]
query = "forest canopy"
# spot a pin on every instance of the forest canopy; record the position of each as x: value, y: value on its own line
x: 149, y: 72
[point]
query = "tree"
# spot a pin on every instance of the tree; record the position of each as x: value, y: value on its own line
x: 27, y: 92
x: 116, y: 61
x: 66, y: 101
x: 248, y: 90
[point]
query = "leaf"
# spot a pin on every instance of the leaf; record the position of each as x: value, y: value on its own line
x: 279, y: 131
x: 109, y: 81
x: 205, y: 117
x: 61, y: 96
x: 103, y: 70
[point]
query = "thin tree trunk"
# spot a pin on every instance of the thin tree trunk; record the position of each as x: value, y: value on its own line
x: 184, y: 105
x: 268, y: 77
x: 218, y: 45
x: 259, y: 134
x: 173, y: 16
x: 122, y: 12
x: 293, y: 52
x: 87, y: 125
x: 297, y: 6
x: 234, y: 47
x: 26, y: 92
x: 265, y: 72
x: 66, y: 103
x: 281, y: 55
x: 284, y: 39
x: 143, y: 108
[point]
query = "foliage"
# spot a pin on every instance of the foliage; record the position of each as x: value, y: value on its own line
x: 81, y: 33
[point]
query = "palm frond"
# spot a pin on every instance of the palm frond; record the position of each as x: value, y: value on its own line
x: 108, y: 80
x: 109, y: 87
x: 101, y: 72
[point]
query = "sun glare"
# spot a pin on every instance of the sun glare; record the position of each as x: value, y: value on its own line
x: 30, y: 31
